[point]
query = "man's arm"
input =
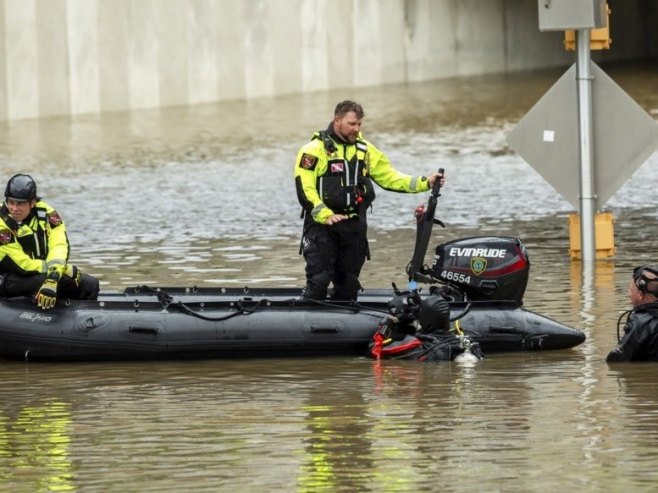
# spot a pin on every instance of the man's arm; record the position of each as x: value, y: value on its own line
x: 631, y: 342
x: 389, y: 178
x: 308, y: 166
x: 14, y: 259
x: 58, y: 242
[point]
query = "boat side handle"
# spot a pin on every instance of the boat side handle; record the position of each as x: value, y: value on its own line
x: 323, y: 329
x: 143, y: 330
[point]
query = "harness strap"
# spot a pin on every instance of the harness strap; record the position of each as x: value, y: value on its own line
x: 329, y: 145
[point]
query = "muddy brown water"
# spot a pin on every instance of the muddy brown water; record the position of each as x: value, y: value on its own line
x: 204, y: 196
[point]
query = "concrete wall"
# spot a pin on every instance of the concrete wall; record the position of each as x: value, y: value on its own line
x: 89, y: 56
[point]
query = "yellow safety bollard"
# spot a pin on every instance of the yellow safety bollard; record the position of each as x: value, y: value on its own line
x: 599, y: 38
x: 604, y: 235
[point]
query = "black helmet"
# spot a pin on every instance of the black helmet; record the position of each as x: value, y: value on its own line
x: 21, y: 187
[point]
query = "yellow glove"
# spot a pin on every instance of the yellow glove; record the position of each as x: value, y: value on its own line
x: 47, y: 295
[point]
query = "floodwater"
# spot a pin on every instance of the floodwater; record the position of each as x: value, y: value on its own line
x: 204, y: 196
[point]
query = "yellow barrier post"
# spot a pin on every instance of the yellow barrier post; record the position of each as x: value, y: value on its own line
x: 604, y: 235
x: 599, y: 38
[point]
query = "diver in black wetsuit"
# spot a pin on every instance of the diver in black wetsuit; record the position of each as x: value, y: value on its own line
x: 640, y: 339
x: 419, y: 329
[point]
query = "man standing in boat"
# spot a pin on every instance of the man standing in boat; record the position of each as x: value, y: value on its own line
x: 334, y: 175
x: 34, y: 249
x: 640, y: 339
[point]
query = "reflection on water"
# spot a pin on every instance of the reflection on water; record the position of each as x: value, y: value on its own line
x: 35, y: 442
x: 204, y: 196
x: 325, y: 424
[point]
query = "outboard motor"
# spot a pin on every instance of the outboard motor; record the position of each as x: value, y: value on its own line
x: 485, y: 268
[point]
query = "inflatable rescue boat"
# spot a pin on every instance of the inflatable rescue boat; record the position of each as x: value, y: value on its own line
x: 482, y: 279
x: 175, y: 323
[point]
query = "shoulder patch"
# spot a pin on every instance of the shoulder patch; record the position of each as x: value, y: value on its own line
x: 5, y: 236
x: 308, y: 161
x: 54, y: 219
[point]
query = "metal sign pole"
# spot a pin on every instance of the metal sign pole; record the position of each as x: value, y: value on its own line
x: 587, y: 192
x: 571, y: 126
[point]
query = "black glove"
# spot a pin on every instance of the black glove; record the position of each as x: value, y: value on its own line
x: 73, y: 272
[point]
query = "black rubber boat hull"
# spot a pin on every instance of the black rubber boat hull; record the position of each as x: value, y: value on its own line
x: 176, y: 323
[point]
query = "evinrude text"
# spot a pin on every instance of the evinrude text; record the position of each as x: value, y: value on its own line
x: 478, y: 252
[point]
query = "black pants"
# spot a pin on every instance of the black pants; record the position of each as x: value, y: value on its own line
x: 13, y: 285
x: 334, y: 254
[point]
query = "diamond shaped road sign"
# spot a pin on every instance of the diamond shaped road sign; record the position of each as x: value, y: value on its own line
x: 624, y: 136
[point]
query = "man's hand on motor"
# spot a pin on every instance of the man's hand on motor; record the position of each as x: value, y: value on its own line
x: 432, y: 179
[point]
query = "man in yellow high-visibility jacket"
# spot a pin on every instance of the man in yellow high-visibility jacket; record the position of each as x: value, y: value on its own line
x: 334, y: 175
x: 34, y: 249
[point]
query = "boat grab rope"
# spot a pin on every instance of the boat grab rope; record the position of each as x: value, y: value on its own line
x: 350, y: 305
x: 166, y: 300
x: 242, y: 310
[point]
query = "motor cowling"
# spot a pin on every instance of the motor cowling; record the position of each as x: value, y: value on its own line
x: 485, y: 268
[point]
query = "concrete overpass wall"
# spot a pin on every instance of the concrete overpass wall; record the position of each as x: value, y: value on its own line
x: 61, y: 57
